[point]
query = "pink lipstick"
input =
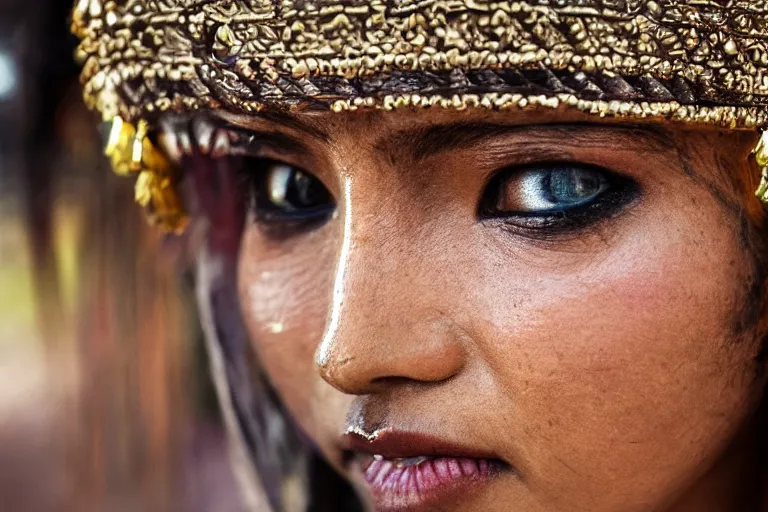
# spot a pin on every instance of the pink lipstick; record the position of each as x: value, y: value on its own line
x: 408, y: 472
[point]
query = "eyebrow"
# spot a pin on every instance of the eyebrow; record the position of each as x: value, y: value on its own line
x: 290, y: 121
x: 276, y: 140
x: 429, y: 141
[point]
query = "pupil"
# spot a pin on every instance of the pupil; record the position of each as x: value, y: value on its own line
x: 304, y: 193
x: 294, y: 190
x: 282, y: 194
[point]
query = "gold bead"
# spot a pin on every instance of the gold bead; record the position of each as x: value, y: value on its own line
x: 730, y: 47
x: 762, y: 189
x: 761, y: 150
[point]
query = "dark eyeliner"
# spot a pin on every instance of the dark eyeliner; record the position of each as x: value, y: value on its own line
x: 620, y: 193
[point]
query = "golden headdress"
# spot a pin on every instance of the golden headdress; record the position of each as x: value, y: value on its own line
x: 693, y: 61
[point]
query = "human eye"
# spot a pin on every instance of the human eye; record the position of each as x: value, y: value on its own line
x: 281, y: 197
x: 284, y: 194
x: 555, y: 196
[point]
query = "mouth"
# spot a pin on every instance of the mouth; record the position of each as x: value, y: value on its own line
x: 409, y: 472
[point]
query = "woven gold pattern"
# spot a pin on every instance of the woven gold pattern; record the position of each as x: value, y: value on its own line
x: 690, y: 60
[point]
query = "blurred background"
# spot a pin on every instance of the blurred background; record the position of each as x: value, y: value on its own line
x: 105, y: 404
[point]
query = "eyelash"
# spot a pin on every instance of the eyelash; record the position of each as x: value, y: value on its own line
x: 619, y: 194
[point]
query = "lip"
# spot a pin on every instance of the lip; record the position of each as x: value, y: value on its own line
x: 408, y: 471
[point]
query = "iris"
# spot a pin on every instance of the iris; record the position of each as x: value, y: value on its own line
x: 555, y: 188
x: 286, y: 192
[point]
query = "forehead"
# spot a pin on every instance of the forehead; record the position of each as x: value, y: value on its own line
x: 326, y: 126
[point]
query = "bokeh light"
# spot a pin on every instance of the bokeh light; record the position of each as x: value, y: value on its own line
x: 8, y: 75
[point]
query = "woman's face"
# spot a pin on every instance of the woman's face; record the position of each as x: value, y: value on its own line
x: 559, y: 314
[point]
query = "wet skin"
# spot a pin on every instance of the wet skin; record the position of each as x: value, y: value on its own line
x: 606, y: 352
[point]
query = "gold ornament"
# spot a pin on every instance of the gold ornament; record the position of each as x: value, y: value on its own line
x: 761, y: 157
x: 130, y: 151
x: 684, y: 60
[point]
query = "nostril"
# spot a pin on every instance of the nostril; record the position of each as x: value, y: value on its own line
x: 392, y: 381
x: 396, y: 381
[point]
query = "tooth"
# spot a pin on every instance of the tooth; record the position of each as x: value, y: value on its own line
x: 174, y: 135
x: 203, y: 131
x: 378, y: 457
x: 185, y: 143
x: 170, y: 145
x: 220, y: 144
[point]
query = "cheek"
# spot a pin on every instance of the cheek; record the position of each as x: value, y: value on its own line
x: 284, y: 297
x: 628, y: 370
x: 283, y: 312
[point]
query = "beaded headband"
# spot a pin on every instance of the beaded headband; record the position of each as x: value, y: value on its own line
x: 692, y: 61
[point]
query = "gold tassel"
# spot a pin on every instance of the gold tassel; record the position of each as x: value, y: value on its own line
x: 158, y: 195
x: 130, y: 151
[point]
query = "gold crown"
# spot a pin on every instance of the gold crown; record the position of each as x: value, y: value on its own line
x: 703, y: 61
x: 688, y: 60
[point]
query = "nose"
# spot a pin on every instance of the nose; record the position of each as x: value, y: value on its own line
x: 389, y: 320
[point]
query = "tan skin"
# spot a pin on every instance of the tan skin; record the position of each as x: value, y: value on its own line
x: 612, y: 361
